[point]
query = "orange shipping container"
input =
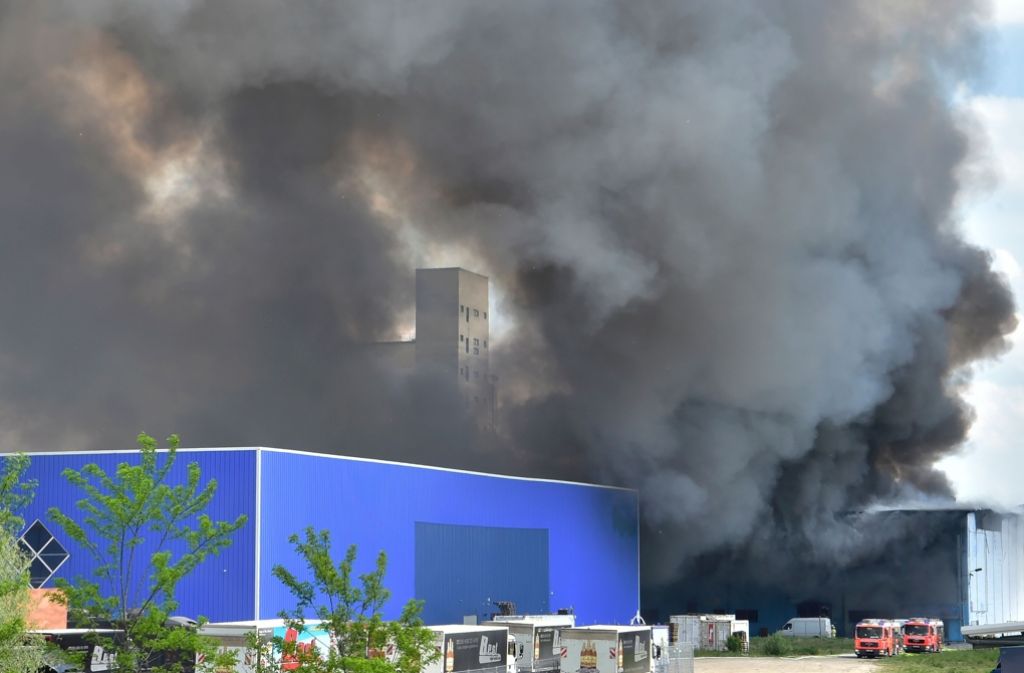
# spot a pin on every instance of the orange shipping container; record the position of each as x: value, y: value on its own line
x: 44, y: 612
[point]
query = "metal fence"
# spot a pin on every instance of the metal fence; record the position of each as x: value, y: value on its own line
x: 676, y: 658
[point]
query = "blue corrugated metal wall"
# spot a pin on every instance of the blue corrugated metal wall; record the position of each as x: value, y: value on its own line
x: 223, y: 588
x: 462, y: 570
x: 592, y: 531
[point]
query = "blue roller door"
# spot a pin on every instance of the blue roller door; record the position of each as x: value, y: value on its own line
x: 462, y: 570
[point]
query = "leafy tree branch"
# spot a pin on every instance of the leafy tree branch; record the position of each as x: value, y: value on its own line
x: 146, y: 534
x: 358, y: 639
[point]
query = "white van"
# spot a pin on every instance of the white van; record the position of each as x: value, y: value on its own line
x: 808, y: 627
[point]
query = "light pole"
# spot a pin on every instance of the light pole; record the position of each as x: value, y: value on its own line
x: 972, y: 598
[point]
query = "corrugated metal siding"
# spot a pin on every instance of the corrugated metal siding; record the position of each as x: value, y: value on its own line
x: 995, y: 544
x: 592, y: 531
x: 462, y: 570
x: 221, y: 589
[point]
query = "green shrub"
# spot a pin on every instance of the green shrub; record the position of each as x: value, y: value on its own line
x: 734, y: 643
x: 776, y: 645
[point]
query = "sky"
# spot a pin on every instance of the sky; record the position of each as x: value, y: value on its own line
x: 988, y: 468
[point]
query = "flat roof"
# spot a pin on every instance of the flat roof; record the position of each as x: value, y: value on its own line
x: 335, y: 456
x: 451, y: 268
x: 464, y: 628
x: 608, y: 628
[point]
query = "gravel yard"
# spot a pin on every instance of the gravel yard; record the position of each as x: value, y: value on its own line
x: 846, y: 663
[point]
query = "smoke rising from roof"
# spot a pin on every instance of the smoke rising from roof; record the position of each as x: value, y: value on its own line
x: 725, y: 233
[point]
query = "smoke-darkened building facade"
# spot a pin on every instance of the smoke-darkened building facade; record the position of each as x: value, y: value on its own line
x: 965, y: 566
x: 458, y: 540
x: 453, y: 332
x: 453, y: 317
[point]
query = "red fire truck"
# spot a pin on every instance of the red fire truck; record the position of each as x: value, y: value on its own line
x: 876, y: 638
x: 923, y: 635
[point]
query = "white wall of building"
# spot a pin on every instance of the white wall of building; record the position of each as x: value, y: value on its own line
x: 995, y: 567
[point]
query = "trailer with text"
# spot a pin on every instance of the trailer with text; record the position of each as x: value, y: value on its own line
x: 607, y: 649
x: 538, y: 638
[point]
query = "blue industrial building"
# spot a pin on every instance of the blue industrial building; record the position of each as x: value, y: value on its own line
x: 460, y: 541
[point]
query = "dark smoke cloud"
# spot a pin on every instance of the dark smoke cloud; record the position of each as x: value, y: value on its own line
x: 725, y: 233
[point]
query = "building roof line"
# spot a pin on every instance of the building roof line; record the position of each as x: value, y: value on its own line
x: 317, y: 454
x: 453, y: 268
x: 448, y: 469
x: 106, y: 451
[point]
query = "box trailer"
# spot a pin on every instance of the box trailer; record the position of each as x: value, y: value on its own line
x: 478, y: 649
x: 607, y: 649
x: 538, y: 639
x: 89, y: 654
x: 741, y: 628
x: 82, y: 647
x: 463, y: 648
x: 660, y: 648
x: 660, y: 638
x: 707, y: 632
x: 686, y: 629
x: 235, y: 637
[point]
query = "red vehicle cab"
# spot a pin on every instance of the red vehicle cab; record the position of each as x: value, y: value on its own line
x: 876, y: 638
x: 923, y: 635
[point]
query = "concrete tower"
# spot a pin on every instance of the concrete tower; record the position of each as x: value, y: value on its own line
x: 452, y: 332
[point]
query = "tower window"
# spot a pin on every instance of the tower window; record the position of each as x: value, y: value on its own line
x: 476, y: 351
x: 462, y: 308
x: 485, y: 315
x: 467, y: 345
x: 461, y: 337
x: 476, y: 342
x: 476, y: 313
x: 485, y: 343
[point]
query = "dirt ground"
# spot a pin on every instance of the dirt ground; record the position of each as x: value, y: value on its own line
x: 845, y: 663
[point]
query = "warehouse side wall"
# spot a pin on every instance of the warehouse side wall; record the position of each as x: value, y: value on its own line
x: 995, y: 567
x: 220, y: 589
x: 495, y: 530
x: 914, y: 570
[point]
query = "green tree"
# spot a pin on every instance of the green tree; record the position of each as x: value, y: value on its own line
x: 358, y: 639
x: 15, y: 492
x: 134, y: 590
x: 19, y: 650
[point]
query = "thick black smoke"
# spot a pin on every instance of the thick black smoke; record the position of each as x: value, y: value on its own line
x: 725, y: 234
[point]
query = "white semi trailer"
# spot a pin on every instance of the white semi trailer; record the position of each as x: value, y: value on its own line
x: 473, y: 649
x: 463, y: 648
x: 538, y: 638
x: 235, y: 637
x: 607, y: 649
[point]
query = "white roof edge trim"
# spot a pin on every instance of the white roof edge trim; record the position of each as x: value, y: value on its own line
x: 449, y: 469
x: 317, y: 454
x: 610, y: 627
x: 109, y: 451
